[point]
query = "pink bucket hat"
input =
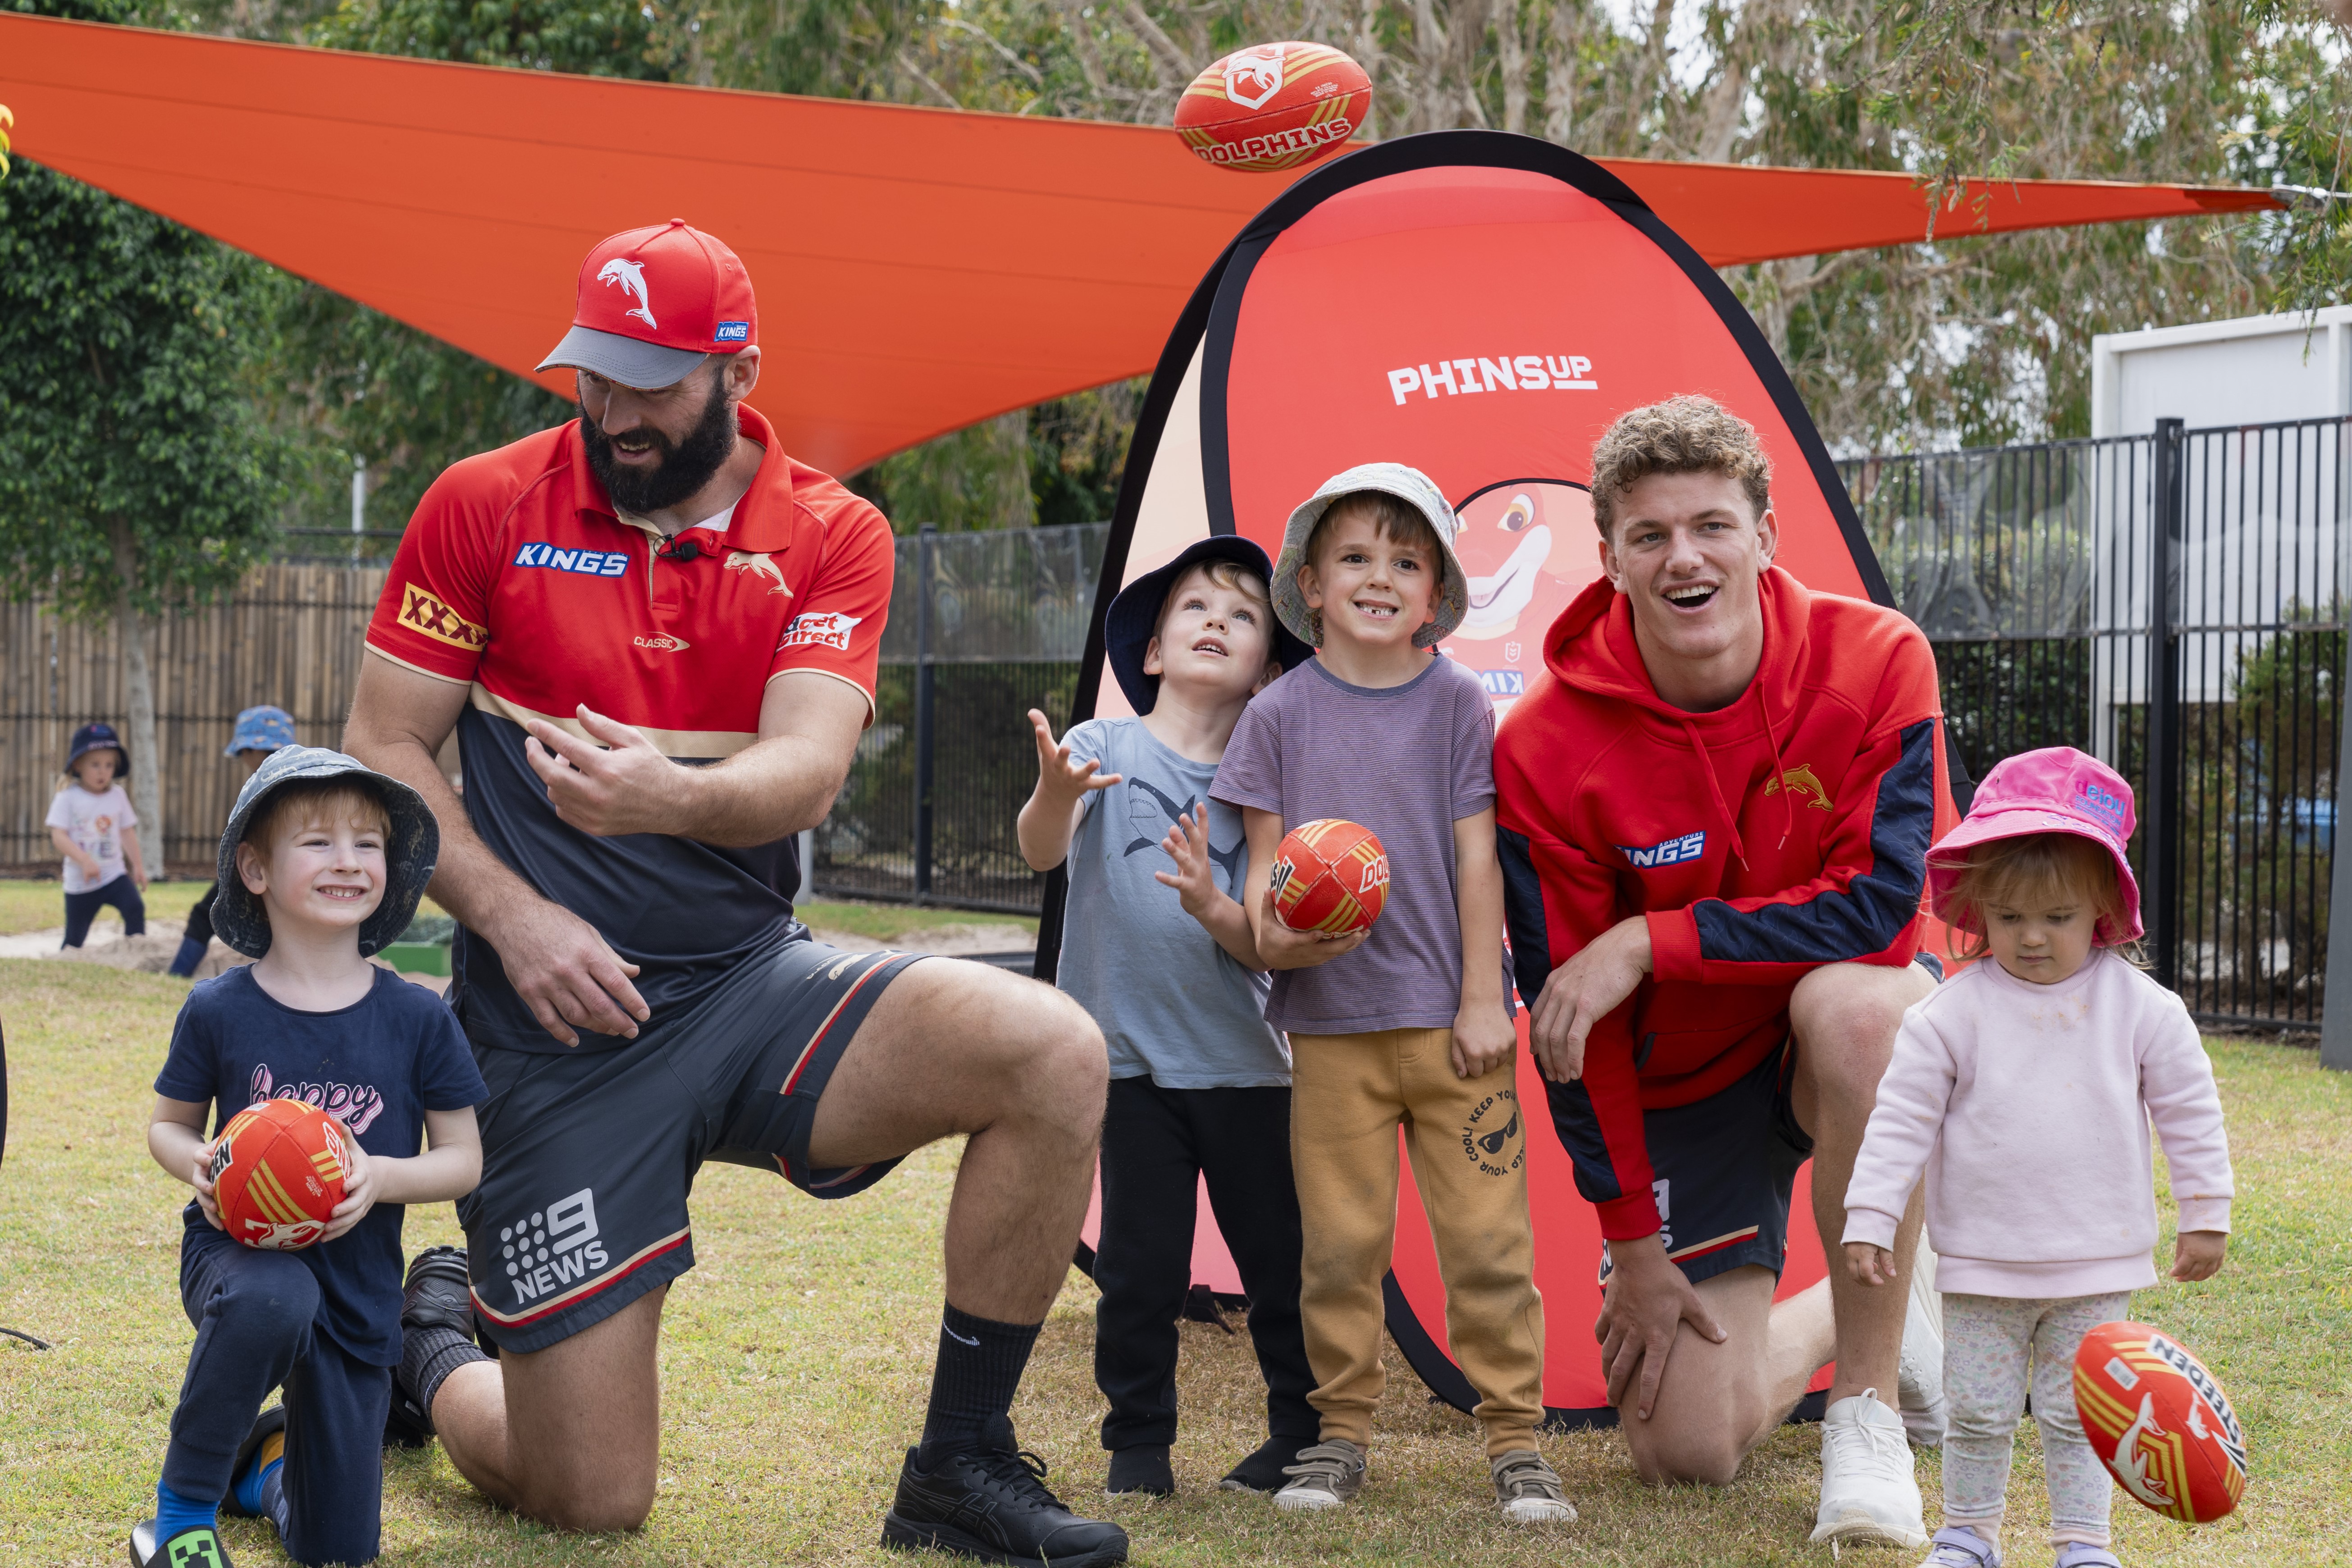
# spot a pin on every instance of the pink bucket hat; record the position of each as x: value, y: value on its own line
x: 2055, y: 790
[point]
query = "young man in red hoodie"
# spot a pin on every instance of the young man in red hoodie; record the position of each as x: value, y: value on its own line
x: 1715, y: 808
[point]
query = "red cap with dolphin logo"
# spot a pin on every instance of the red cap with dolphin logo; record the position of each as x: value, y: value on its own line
x: 653, y: 301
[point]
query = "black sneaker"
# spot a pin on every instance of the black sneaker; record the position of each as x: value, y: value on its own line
x: 439, y: 1294
x: 270, y: 1420
x: 197, y: 1547
x: 994, y: 1505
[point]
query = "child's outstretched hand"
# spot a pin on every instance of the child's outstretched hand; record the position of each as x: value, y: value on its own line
x: 2197, y: 1254
x: 359, y: 1193
x: 201, y: 1178
x: 1869, y: 1264
x: 1194, y: 877
x: 1058, y: 776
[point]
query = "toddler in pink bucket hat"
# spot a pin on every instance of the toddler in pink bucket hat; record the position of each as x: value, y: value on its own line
x: 2055, y: 790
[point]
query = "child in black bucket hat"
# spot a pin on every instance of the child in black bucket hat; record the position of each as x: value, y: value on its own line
x: 322, y: 864
x: 92, y: 824
x: 1158, y: 952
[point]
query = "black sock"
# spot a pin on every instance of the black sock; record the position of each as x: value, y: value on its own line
x: 972, y: 1386
x: 427, y: 1356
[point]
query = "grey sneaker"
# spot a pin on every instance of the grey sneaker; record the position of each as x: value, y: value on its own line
x: 1958, y: 1548
x: 1529, y: 1489
x: 1326, y: 1476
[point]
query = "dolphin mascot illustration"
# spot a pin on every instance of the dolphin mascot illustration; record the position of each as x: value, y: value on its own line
x: 758, y: 565
x: 2130, y: 1464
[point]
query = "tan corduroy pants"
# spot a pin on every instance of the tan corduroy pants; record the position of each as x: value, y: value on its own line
x: 1350, y: 1093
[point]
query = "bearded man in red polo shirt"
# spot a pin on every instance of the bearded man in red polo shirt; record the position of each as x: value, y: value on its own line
x: 655, y: 636
x: 1714, y: 807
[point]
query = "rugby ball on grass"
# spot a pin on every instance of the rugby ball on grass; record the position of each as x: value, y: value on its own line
x: 1273, y: 107
x: 2159, y: 1423
x: 1331, y: 876
x: 278, y: 1170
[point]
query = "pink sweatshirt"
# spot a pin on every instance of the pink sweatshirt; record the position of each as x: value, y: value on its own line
x: 2028, y: 1108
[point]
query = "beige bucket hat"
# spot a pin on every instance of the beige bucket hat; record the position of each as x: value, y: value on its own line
x: 1409, y: 485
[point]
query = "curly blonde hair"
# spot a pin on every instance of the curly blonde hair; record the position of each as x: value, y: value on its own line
x: 1686, y: 435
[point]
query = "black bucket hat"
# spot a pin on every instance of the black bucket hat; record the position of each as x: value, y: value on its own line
x: 409, y: 852
x: 98, y: 738
x: 1134, y: 616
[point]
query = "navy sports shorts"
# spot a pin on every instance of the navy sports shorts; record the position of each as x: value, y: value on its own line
x: 1723, y: 1168
x: 588, y: 1158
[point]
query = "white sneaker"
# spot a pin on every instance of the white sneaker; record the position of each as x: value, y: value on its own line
x: 1919, y: 1382
x: 1868, y: 1489
x: 1529, y: 1489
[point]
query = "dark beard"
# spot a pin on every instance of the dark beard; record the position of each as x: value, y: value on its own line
x: 685, y: 468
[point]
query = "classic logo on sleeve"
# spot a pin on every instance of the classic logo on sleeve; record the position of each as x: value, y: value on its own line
x: 424, y: 611
x: 820, y: 629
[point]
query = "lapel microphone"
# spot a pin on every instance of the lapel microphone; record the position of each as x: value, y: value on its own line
x: 680, y: 550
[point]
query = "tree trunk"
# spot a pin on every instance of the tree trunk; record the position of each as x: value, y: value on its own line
x: 146, y: 781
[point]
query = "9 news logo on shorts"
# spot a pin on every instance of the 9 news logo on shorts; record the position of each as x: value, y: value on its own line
x: 554, y: 1247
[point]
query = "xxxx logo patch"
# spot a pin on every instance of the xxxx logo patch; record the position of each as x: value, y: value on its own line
x: 422, y: 610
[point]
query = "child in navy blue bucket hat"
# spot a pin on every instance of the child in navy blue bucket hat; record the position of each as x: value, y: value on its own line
x: 260, y: 732
x: 1158, y: 951
x: 92, y: 824
x: 322, y: 864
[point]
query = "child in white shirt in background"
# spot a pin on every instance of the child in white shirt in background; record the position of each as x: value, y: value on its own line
x: 2023, y: 1088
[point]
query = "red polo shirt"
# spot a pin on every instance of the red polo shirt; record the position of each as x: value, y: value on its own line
x: 520, y: 580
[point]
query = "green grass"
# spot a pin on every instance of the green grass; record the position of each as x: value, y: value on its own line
x: 796, y: 1356
x: 887, y: 923
x: 31, y: 905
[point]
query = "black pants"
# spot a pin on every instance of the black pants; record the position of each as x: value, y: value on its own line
x: 254, y: 1313
x: 123, y: 893
x: 1157, y: 1146
x: 197, y: 938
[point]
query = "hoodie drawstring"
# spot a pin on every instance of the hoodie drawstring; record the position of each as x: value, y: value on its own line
x: 1779, y: 773
x: 1715, y: 786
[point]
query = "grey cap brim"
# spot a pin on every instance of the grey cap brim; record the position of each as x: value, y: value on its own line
x: 648, y: 367
x: 410, y: 851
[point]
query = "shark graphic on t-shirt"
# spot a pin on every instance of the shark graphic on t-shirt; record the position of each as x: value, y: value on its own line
x: 1229, y: 860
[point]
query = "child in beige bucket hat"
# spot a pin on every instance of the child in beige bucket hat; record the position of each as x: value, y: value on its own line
x: 1409, y: 485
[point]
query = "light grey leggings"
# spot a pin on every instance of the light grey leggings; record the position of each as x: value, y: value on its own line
x: 1987, y: 1344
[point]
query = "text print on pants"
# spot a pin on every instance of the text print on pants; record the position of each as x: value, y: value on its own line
x: 1523, y: 372
x: 1492, y: 1128
x: 554, y: 1247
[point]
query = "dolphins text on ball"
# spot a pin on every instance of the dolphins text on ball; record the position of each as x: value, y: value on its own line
x: 1523, y: 372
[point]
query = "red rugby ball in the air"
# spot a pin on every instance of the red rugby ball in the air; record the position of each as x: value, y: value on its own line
x: 277, y: 1171
x: 2159, y: 1421
x: 1329, y: 876
x: 1273, y: 106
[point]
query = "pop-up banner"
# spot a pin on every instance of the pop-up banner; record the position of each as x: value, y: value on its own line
x: 1481, y: 306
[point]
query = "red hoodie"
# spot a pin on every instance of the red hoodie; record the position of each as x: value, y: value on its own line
x: 1762, y: 840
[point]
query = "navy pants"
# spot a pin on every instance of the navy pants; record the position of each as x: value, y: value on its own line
x: 254, y: 1314
x: 1157, y: 1146
x: 123, y: 893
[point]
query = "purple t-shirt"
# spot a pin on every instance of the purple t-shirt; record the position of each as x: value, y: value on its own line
x: 1407, y: 761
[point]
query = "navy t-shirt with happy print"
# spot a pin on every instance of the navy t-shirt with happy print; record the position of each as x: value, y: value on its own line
x: 377, y: 1065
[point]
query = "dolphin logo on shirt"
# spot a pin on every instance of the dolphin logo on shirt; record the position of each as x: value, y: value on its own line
x: 1228, y: 860
x: 757, y: 565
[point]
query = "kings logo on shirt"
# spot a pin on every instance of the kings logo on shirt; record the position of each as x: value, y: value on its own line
x: 820, y: 629
x: 422, y: 610
x: 1665, y: 852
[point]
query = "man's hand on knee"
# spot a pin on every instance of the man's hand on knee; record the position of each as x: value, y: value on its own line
x: 1647, y: 1301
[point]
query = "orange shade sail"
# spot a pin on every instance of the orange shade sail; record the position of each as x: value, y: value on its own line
x: 918, y: 270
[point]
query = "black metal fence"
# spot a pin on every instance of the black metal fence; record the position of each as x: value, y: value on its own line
x: 984, y: 627
x: 2174, y: 604
x: 2043, y: 576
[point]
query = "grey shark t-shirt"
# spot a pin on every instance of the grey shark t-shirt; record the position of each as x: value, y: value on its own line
x: 1171, y: 1003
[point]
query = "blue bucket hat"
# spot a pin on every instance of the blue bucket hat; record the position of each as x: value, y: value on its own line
x: 98, y: 738
x: 262, y: 729
x: 1134, y: 617
x: 410, y: 849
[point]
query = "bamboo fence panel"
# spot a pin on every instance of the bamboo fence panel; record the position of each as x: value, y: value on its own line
x: 291, y: 634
